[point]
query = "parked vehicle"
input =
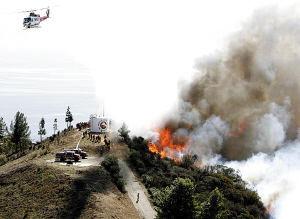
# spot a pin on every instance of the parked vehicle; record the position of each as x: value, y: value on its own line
x: 60, y: 156
x: 79, y: 151
x: 71, y: 155
x: 67, y: 156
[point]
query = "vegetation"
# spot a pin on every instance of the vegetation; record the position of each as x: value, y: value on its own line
x: 42, y: 130
x: 55, y: 125
x: 177, y: 189
x: 177, y: 200
x: 34, y: 191
x: 3, y: 134
x: 3, y: 159
x: 20, y: 133
x: 3, y: 129
x: 69, y: 117
x: 124, y: 132
x: 16, y: 139
x: 212, y: 206
x: 213, y: 192
x: 110, y: 163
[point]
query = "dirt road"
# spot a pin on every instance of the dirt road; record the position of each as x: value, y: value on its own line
x: 133, y: 187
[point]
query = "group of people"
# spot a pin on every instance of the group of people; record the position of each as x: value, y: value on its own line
x: 97, y: 139
x: 93, y: 137
x: 82, y: 125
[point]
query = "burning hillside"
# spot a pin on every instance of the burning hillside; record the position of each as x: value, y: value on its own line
x: 243, y: 104
x: 244, y: 100
x: 169, y: 146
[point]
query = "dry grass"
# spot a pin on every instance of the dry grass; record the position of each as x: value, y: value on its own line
x: 30, y: 187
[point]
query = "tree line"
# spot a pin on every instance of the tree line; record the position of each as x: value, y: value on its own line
x: 16, y: 137
x: 182, y: 190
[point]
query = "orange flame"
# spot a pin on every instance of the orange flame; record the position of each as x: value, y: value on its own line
x: 241, y: 130
x: 269, y: 209
x: 166, y: 147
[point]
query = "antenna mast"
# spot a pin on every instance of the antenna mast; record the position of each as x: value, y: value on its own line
x: 102, y: 108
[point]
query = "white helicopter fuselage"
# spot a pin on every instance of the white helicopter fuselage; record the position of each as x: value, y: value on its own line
x: 30, y: 22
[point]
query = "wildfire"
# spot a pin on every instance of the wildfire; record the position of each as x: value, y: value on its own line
x: 269, y: 209
x: 241, y: 129
x: 166, y: 146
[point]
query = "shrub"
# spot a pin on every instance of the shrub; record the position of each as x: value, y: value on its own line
x: 120, y: 182
x: 34, y: 155
x: 110, y: 163
x: 3, y: 159
x: 159, y: 173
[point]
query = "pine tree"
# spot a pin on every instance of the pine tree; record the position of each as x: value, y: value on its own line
x: 20, y: 132
x: 3, y: 133
x: 42, y: 130
x: 124, y: 132
x: 69, y: 117
x: 55, y: 125
x: 3, y: 128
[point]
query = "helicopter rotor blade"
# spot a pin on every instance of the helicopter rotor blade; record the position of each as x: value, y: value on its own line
x: 33, y: 10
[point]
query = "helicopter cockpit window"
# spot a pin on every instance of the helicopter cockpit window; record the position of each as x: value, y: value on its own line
x: 27, y: 19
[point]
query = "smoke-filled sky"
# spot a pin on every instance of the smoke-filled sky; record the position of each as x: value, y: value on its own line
x: 241, y: 107
x: 229, y: 69
x: 134, y: 51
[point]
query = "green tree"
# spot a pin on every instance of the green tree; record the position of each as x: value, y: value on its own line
x: 229, y: 173
x: 226, y: 214
x: 124, y: 132
x: 69, y: 117
x: 3, y: 133
x: 55, y: 125
x: 3, y: 128
x: 111, y: 164
x: 246, y: 216
x: 211, y: 207
x: 19, y: 131
x: 42, y: 130
x: 178, y: 201
x: 188, y: 160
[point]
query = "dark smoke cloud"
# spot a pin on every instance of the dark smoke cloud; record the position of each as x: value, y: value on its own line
x: 254, y: 80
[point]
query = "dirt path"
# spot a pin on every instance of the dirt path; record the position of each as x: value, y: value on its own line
x: 133, y: 187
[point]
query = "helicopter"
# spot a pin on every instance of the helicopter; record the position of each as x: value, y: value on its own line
x: 34, y: 20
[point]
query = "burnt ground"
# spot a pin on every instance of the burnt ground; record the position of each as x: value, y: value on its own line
x: 33, y: 186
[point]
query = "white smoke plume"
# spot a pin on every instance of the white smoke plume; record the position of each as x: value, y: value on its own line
x: 208, y: 139
x: 254, y: 81
x: 269, y: 134
x: 275, y: 177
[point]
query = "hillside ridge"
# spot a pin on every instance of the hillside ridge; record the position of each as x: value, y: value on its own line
x: 35, y: 186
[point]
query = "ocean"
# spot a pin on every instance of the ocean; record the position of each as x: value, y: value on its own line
x: 47, y: 93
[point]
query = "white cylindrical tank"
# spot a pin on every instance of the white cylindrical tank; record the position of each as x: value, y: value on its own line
x: 99, y: 124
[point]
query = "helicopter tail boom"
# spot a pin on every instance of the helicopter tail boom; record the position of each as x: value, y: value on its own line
x: 47, y: 15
